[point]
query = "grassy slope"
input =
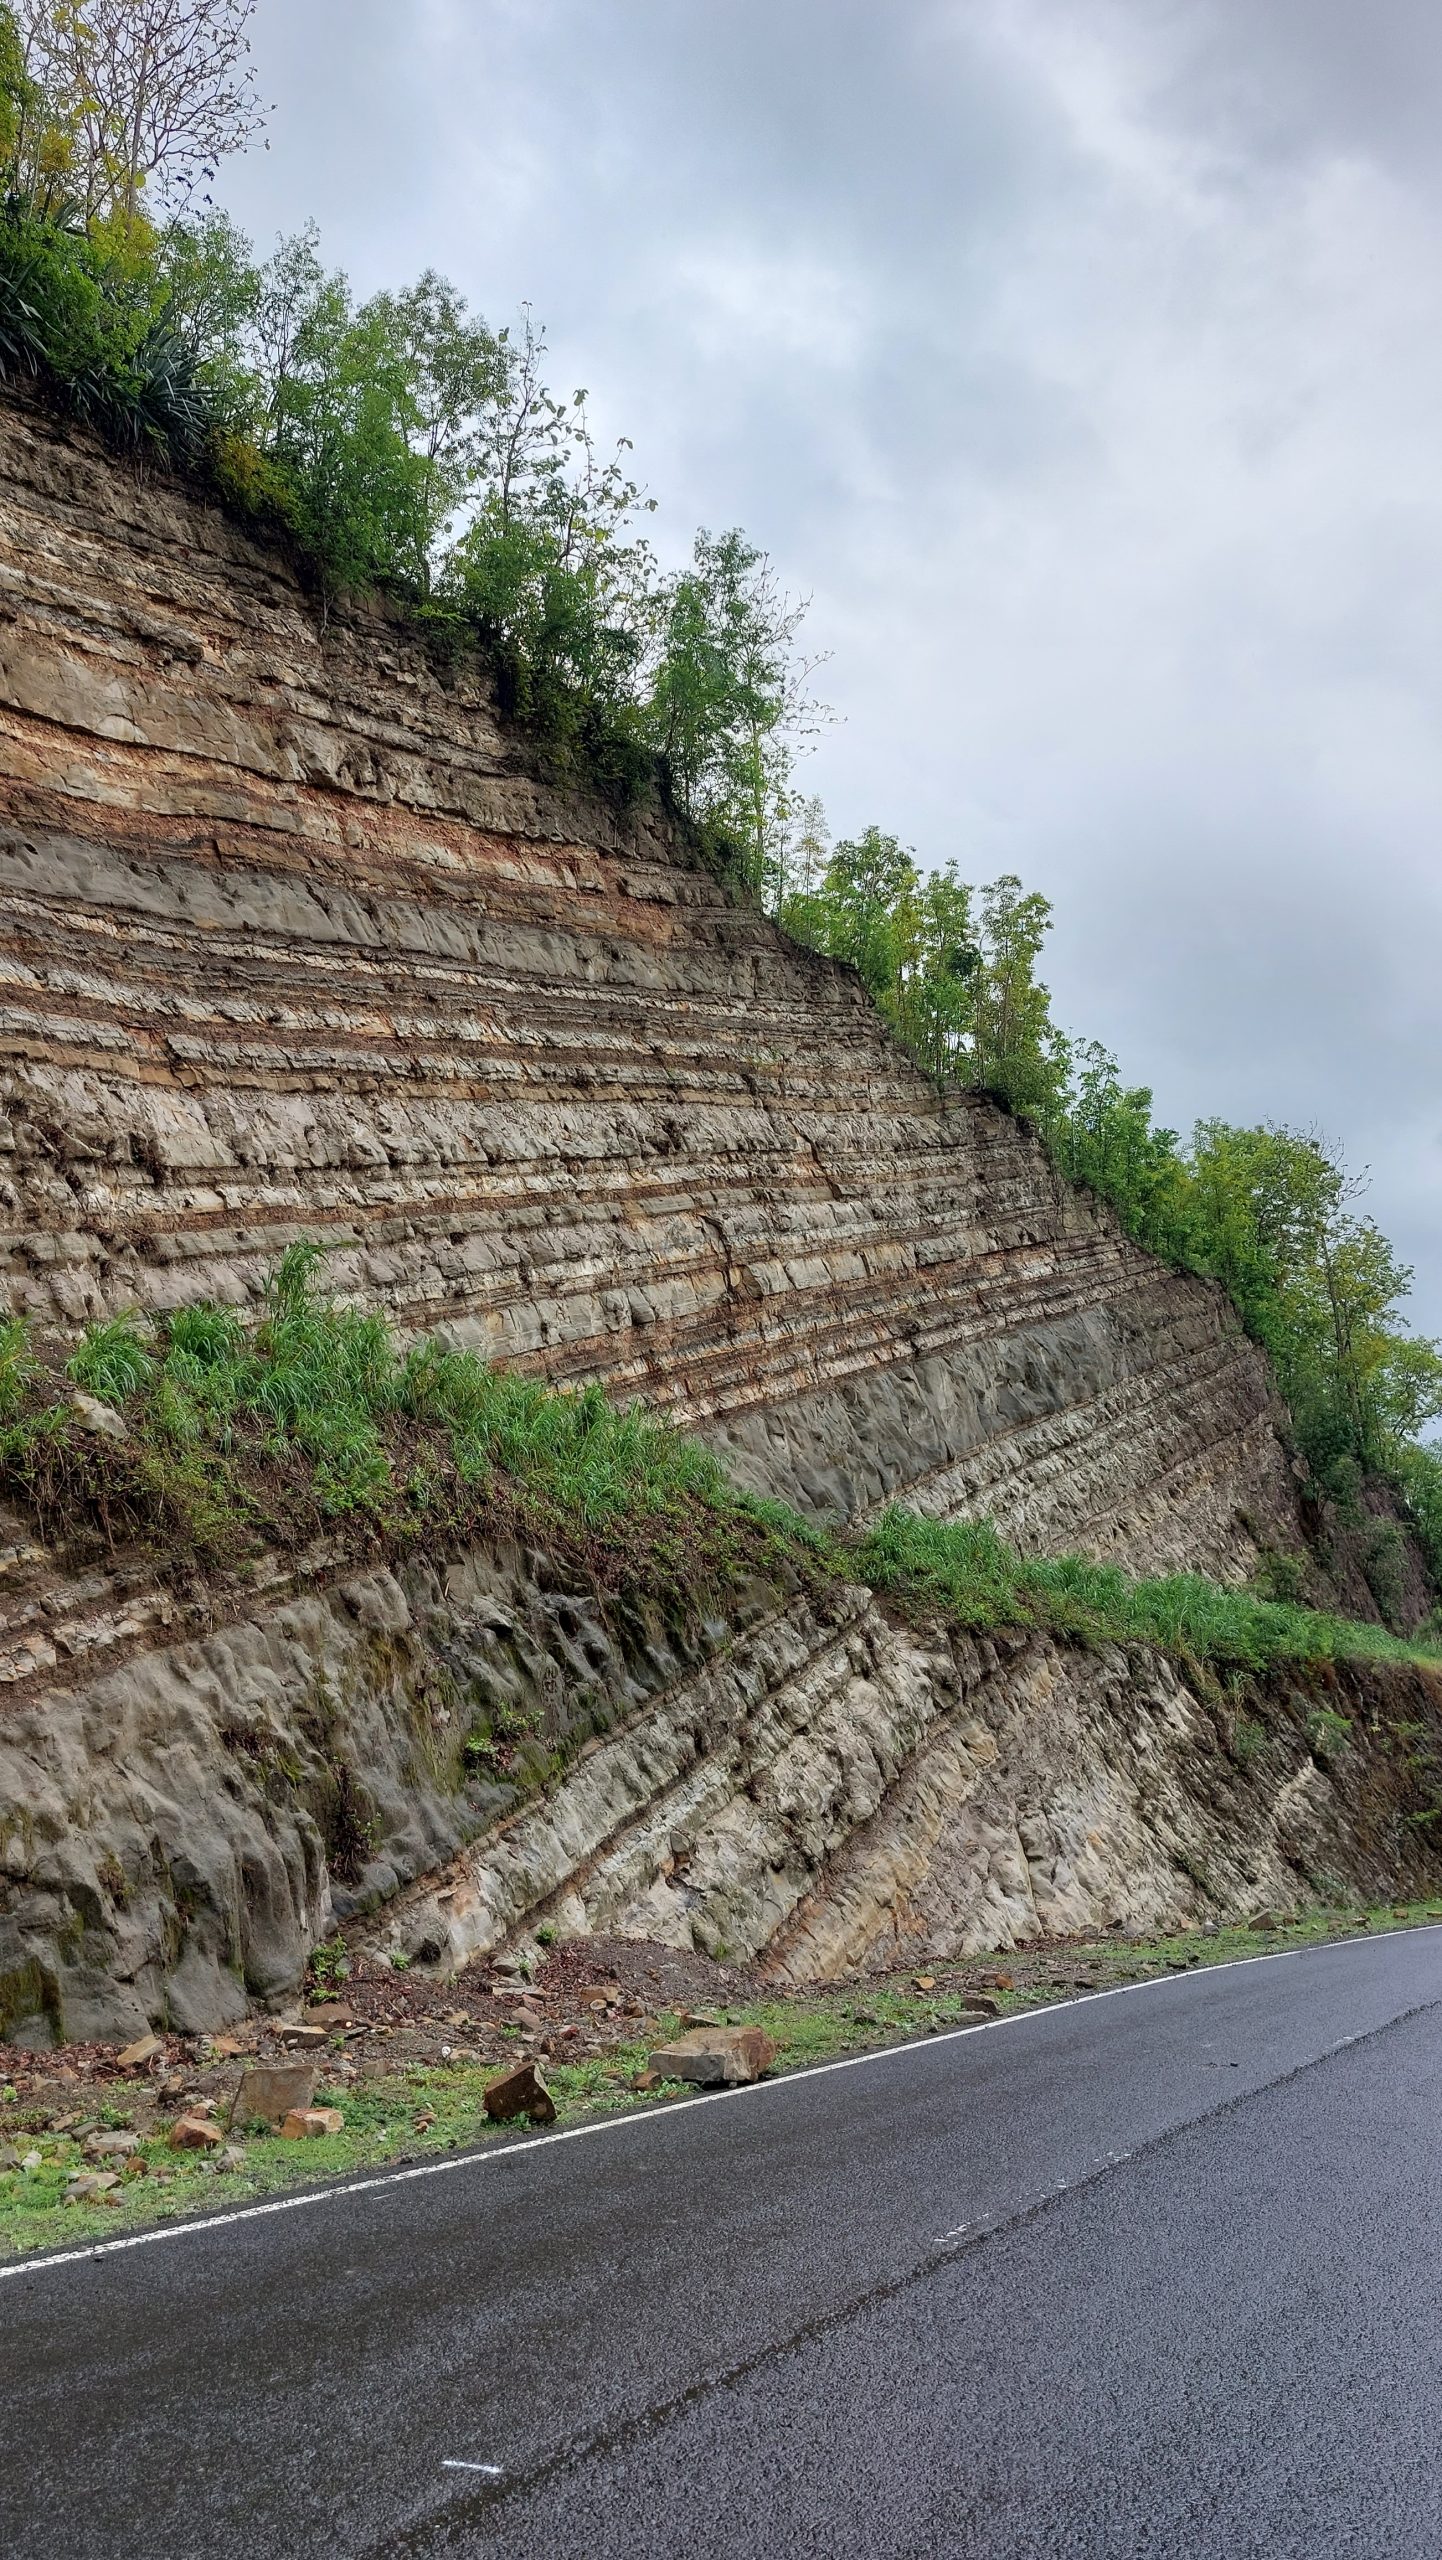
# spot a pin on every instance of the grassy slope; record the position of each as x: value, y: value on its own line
x: 241, y: 1438
x: 428, y: 2113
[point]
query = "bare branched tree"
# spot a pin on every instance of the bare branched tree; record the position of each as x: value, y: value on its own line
x: 157, y: 92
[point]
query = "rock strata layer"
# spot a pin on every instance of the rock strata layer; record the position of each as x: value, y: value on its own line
x: 807, y: 1781
x: 296, y: 940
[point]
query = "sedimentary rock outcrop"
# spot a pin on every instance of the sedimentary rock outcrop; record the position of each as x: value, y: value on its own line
x: 296, y: 940
x: 186, y: 1810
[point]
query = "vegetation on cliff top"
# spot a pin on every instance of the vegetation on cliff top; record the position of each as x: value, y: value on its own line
x: 1272, y: 1213
x: 399, y: 441
x: 208, y: 1441
x: 403, y: 442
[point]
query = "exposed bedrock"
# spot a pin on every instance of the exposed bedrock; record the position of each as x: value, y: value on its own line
x: 447, y: 1756
x: 297, y: 940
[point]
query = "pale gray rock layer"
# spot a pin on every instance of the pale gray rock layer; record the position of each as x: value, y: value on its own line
x: 807, y: 1782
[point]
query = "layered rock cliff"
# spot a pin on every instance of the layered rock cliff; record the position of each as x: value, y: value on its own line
x: 297, y: 939
x: 190, y: 1803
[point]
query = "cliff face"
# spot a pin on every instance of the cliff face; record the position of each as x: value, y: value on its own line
x: 297, y: 941
x: 188, y: 1805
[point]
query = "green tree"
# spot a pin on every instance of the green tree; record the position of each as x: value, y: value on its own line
x: 156, y: 92
x: 549, y: 564
x: 729, y: 699
x: 1015, y: 1049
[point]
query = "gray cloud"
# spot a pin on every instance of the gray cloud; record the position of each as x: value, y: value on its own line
x: 1082, y: 359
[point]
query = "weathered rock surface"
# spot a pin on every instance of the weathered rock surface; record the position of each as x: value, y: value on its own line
x: 296, y: 940
x: 808, y: 1781
x: 715, y: 2057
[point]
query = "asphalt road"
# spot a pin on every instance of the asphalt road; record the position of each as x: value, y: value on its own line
x: 1156, y: 2273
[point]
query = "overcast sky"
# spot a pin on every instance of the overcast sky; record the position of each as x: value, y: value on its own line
x: 1082, y: 359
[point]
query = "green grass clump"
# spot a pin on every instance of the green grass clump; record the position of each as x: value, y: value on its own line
x: 237, y: 1434
x: 967, y: 1574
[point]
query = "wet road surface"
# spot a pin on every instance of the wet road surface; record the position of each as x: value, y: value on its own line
x: 1158, y: 2272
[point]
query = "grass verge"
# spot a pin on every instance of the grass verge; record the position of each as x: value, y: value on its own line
x: 427, y: 2112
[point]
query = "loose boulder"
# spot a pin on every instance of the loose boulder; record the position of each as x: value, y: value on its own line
x: 308, y: 2124
x: 715, y: 2057
x: 270, y: 2093
x: 195, y: 2133
x: 521, y: 2092
x: 137, y: 2055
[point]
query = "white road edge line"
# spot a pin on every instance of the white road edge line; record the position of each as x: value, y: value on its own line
x: 491, y: 2470
x: 488, y: 2157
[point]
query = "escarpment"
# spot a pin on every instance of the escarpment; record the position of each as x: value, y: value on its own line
x: 452, y: 1753
x: 297, y: 941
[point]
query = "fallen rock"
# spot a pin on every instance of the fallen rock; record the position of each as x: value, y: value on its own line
x: 89, y: 2188
x: 195, y: 2133
x: 307, y: 2039
x: 307, y: 2124
x: 521, y: 2092
x: 715, y: 2057
x: 325, y: 2013
x: 268, y: 2094
x: 232, y: 2157
x: 110, y: 2146
x: 97, y: 1416
x: 136, y: 2056
x: 979, y: 2004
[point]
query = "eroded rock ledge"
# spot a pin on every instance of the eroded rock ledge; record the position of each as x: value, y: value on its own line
x: 467, y: 1749
x: 297, y: 939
